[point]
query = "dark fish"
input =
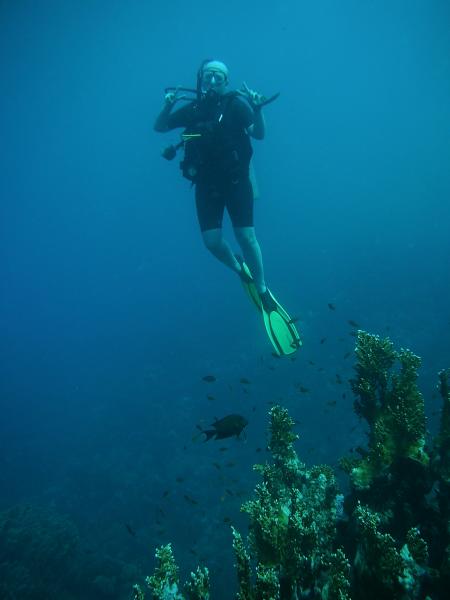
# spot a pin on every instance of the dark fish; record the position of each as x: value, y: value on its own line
x: 223, y: 449
x: 331, y: 306
x: 347, y: 354
x: 332, y: 403
x: 229, y: 492
x: 323, y: 340
x: 338, y: 378
x: 245, y: 390
x: 229, y: 426
x: 216, y: 464
x: 209, y: 378
x: 130, y: 530
x: 226, y: 520
x: 302, y: 389
x: 245, y: 381
x: 230, y: 463
x: 311, y: 362
x: 190, y: 499
x: 258, y: 450
x: 179, y: 479
x: 165, y: 493
x: 353, y: 324
x: 210, y: 397
x: 344, y: 395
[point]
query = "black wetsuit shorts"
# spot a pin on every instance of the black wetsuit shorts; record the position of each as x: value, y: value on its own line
x: 213, y: 197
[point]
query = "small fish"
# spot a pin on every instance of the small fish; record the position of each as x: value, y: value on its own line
x: 190, y: 499
x: 245, y: 381
x: 347, y: 354
x: 230, y: 463
x: 226, y: 520
x: 332, y: 403
x: 210, y: 397
x: 302, y: 389
x: 331, y: 306
x: 209, y: 378
x: 165, y: 493
x: 179, y: 479
x: 311, y: 362
x: 338, y: 378
x: 223, y: 449
x: 344, y: 395
x: 130, y: 530
x: 258, y: 450
x: 353, y: 323
x: 323, y: 340
x: 217, y: 466
x: 245, y: 390
x: 229, y: 492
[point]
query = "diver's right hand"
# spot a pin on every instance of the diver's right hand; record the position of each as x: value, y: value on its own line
x: 171, y: 98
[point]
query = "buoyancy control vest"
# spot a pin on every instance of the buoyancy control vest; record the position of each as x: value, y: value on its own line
x: 213, y: 147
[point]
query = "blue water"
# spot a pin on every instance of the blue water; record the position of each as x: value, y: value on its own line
x: 111, y: 309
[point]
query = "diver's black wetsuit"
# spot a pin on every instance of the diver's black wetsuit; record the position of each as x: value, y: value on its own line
x: 220, y: 158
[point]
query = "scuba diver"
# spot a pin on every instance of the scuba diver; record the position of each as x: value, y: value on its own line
x: 217, y: 127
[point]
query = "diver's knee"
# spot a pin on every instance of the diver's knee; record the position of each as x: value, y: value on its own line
x: 246, y: 236
x: 212, y: 238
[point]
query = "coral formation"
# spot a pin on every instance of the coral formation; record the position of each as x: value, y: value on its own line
x: 387, y: 397
x: 389, y: 538
x: 164, y: 583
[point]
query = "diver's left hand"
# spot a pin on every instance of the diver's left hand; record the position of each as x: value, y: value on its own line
x: 255, y: 100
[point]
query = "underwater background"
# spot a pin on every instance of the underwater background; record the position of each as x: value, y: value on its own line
x: 112, y: 311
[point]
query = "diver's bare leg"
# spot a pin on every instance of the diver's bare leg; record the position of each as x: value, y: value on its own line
x: 252, y: 254
x: 219, y: 247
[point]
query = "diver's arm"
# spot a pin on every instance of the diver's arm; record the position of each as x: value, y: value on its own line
x: 161, y: 123
x: 162, y: 120
x: 257, y: 129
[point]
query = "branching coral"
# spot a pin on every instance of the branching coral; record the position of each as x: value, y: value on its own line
x: 382, y: 570
x: 442, y: 441
x: 292, y: 518
x: 164, y: 583
x: 396, y: 546
x: 389, y: 400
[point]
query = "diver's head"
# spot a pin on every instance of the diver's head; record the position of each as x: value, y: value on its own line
x: 213, y: 77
